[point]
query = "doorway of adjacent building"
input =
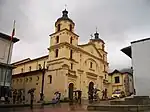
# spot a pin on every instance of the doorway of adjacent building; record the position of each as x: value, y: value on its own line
x: 90, y: 91
x: 71, y: 86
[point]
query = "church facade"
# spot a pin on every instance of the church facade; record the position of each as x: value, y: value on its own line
x: 68, y: 66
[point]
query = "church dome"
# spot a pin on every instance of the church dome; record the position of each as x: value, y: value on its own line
x: 64, y: 17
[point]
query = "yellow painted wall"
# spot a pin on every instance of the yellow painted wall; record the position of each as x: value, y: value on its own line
x: 121, y: 85
x: 60, y: 68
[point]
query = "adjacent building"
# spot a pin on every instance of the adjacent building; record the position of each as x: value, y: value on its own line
x: 139, y: 52
x: 6, y: 46
x: 68, y: 66
x: 122, y: 80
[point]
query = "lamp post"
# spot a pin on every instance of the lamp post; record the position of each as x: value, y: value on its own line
x: 43, y: 70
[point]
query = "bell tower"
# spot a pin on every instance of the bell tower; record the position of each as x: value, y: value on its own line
x: 63, y: 35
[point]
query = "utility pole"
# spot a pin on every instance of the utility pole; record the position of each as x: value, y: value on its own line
x: 43, y: 70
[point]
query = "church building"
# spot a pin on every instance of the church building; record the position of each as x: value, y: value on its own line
x: 68, y: 66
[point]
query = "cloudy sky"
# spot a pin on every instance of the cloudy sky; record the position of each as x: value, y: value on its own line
x: 119, y: 22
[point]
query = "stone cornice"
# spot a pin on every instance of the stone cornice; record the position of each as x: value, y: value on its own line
x: 93, y: 46
x: 102, y: 51
x: 64, y: 30
x: 70, y: 75
x: 50, y: 61
x: 91, y: 74
x: 77, y: 49
x: 81, y: 71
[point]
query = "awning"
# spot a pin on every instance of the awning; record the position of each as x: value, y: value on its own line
x: 127, y: 51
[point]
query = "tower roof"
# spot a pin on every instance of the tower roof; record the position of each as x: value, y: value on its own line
x: 96, y: 37
x: 64, y: 17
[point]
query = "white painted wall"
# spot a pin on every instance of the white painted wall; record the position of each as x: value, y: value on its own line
x: 141, y: 66
x: 131, y: 86
x: 4, y: 48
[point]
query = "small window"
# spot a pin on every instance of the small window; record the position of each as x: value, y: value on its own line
x: 56, y: 53
x: 57, y: 39
x: 70, y: 27
x: 30, y: 79
x: 71, y: 66
x: 29, y: 68
x: 26, y: 79
x: 40, y: 67
x: 17, y: 80
x: 37, y: 78
x: 20, y: 80
x: 21, y: 70
x: 117, y: 80
x: 105, y: 76
x: 104, y: 68
x: 58, y: 27
x: 102, y: 46
x: 50, y: 79
x: 91, y: 64
x: 71, y: 40
x: 70, y: 54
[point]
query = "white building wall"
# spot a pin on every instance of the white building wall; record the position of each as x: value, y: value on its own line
x: 4, y: 49
x: 131, y: 86
x: 141, y: 66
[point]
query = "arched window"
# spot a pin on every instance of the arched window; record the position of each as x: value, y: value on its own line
x: 103, y: 46
x: 70, y: 27
x: 21, y: 70
x: 50, y: 79
x: 56, y: 53
x: 104, y: 68
x: 91, y: 64
x: 58, y: 27
x: 37, y: 78
x: 29, y: 68
x: 71, y: 40
x: 26, y: 79
x: 30, y: 79
x: 71, y: 66
x: 20, y: 80
x: 105, y: 76
x: 57, y: 39
x: 70, y: 54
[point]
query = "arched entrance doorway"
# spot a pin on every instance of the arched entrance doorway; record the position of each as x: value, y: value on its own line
x: 70, y: 94
x: 90, y: 91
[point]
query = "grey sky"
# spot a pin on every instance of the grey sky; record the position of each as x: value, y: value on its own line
x: 118, y: 22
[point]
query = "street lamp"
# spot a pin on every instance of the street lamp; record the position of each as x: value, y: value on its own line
x: 43, y: 70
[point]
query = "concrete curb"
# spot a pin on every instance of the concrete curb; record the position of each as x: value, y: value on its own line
x: 124, y: 108
x: 14, y: 105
